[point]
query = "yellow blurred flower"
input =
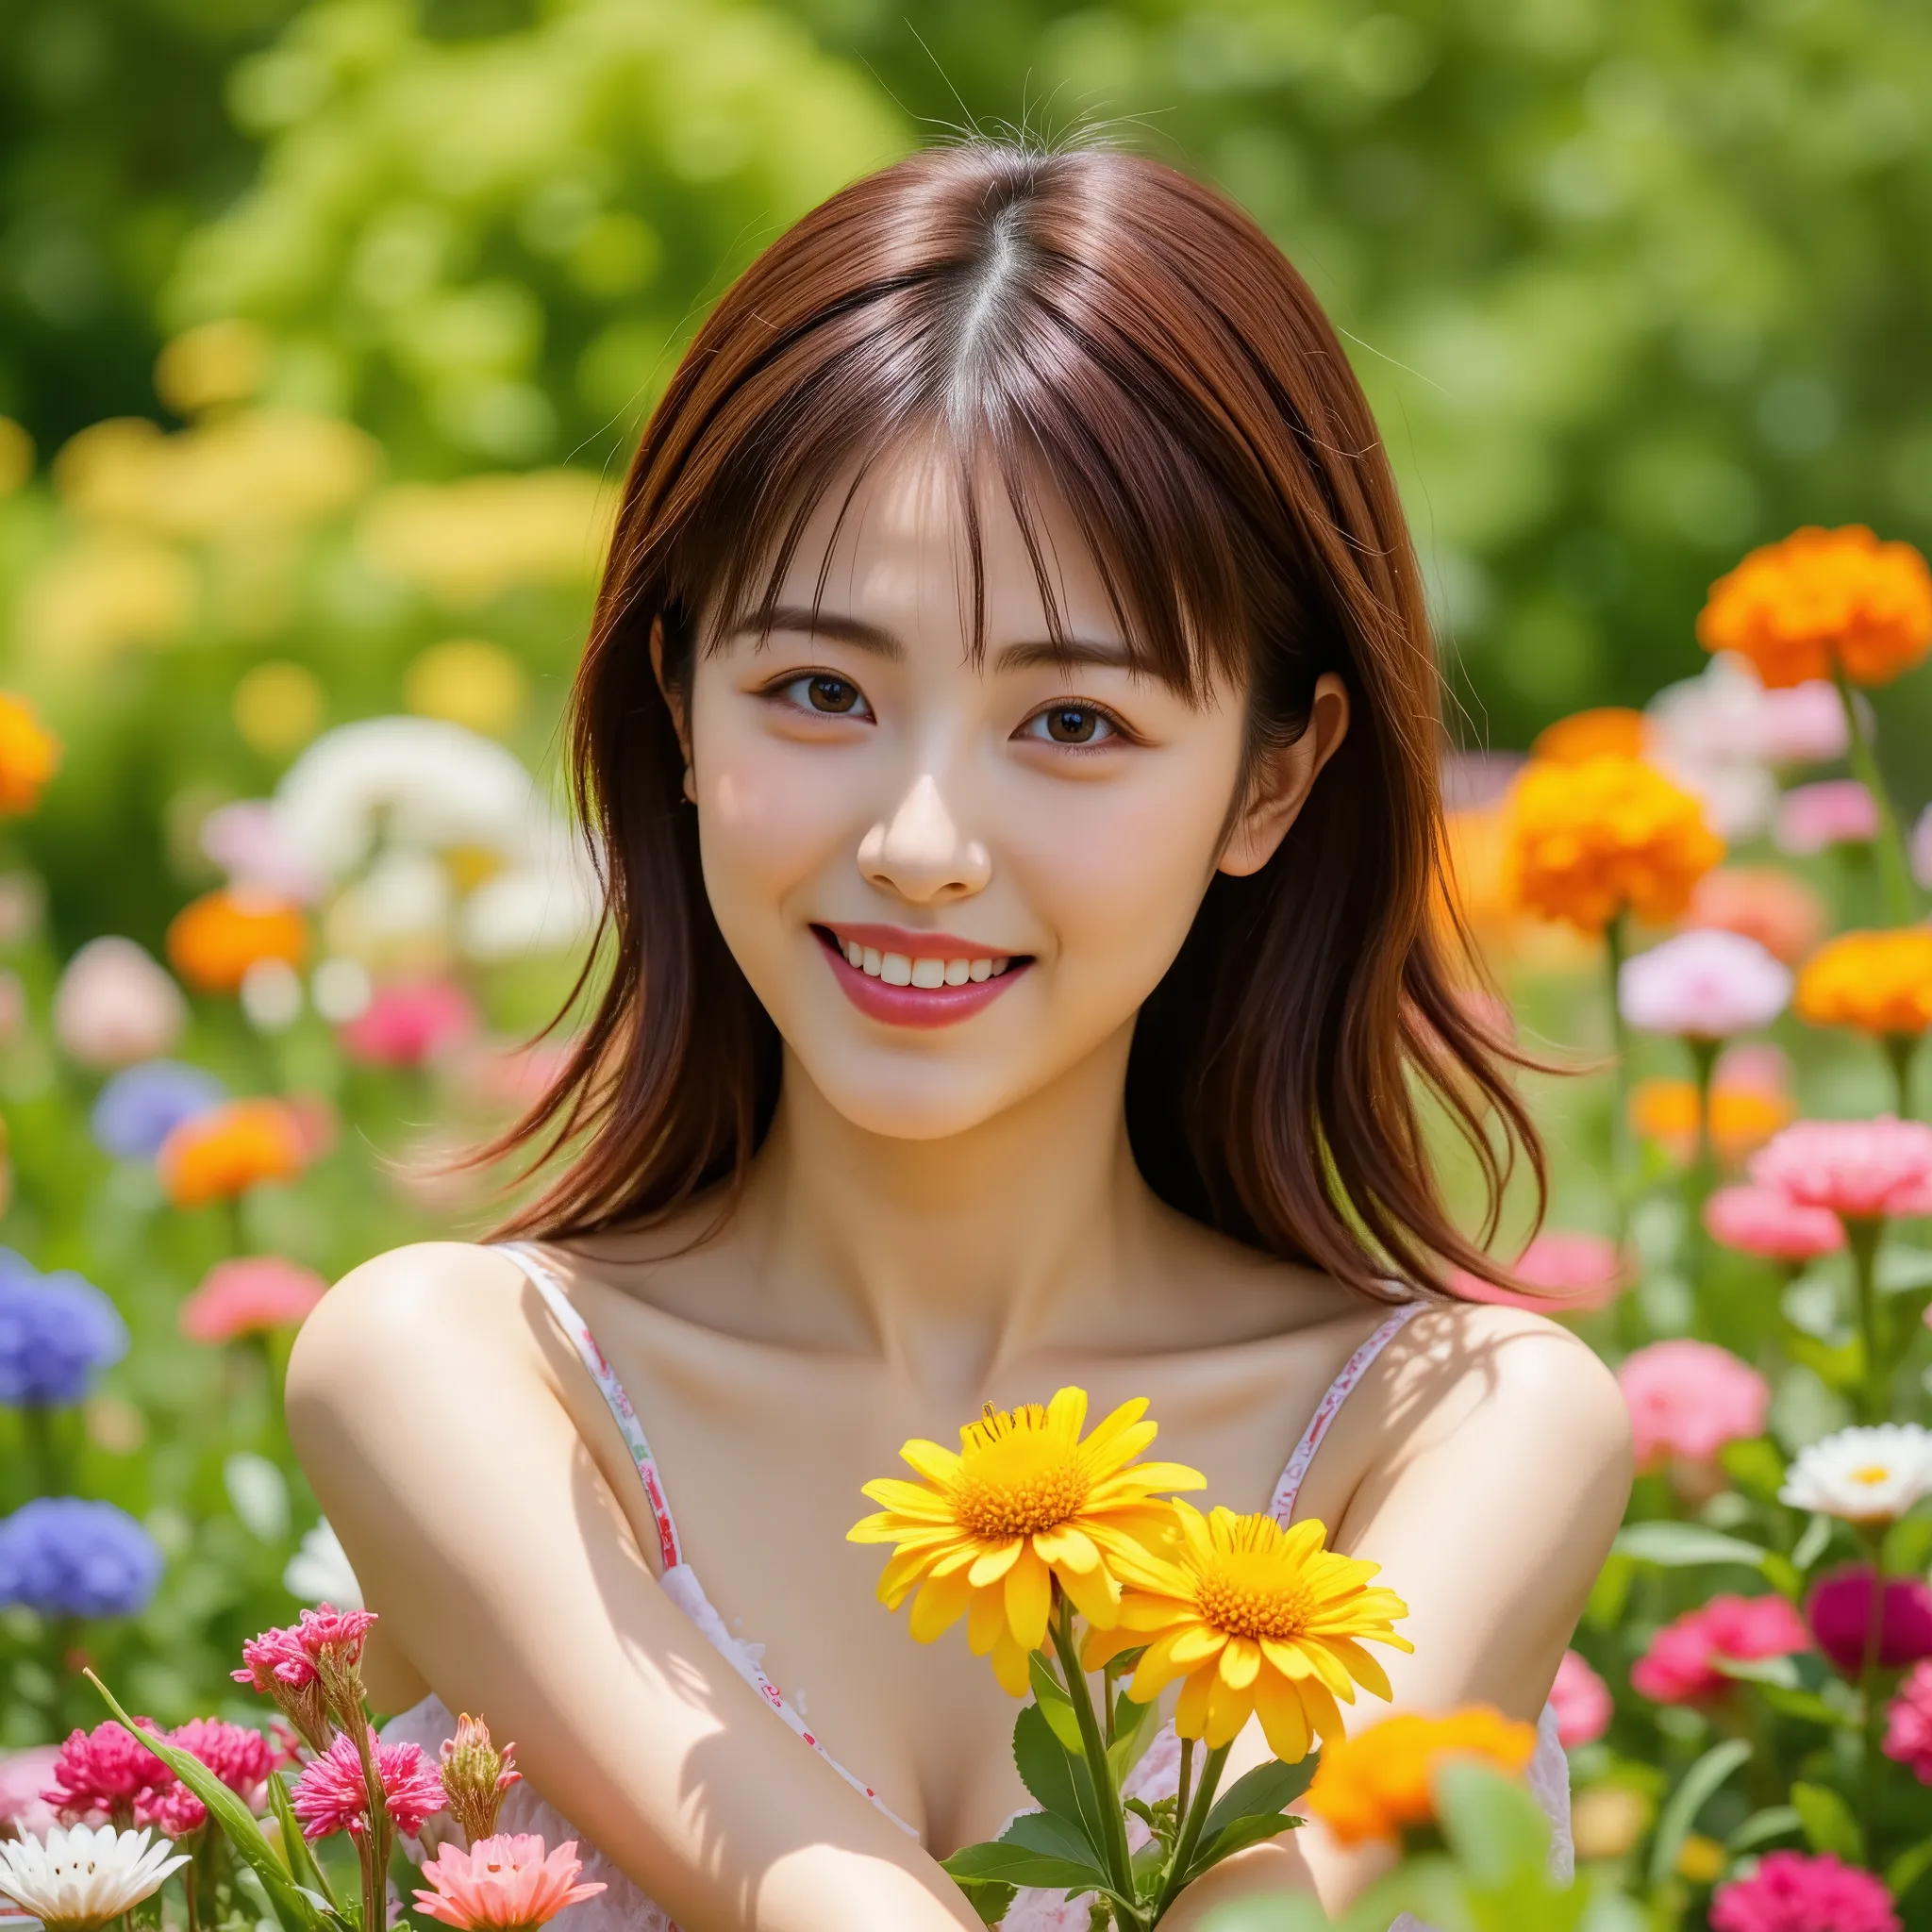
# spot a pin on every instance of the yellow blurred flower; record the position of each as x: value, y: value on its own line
x: 1819, y: 598
x: 467, y: 541
x: 213, y: 941
x: 1701, y: 1859
x: 1589, y: 841
x: 16, y: 456
x: 1742, y: 1119
x: 468, y: 681
x: 30, y: 754
x: 1609, y: 730
x: 1254, y: 1619
x: 1606, y: 1820
x: 1372, y: 1785
x: 1023, y: 1504
x: 104, y: 591
x: 214, y: 363
x: 1877, y: 982
x: 278, y: 708
x: 222, y: 1154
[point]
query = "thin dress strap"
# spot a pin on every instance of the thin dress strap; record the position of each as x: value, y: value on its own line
x: 679, y: 1579
x: 1357, y: 1366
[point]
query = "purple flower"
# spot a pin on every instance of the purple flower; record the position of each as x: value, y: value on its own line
x: 56, y: 1330
x: 63, y: 1556
x: 1708, y: 983
x: 1840, y: 1605
x: 142, y: 1105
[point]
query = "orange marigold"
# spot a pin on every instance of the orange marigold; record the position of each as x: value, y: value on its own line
x: 1587, y: 840
x: 30, y: 754
x: 214, y: 940
x: 1373, y: 1784
x: 1742, y: 1119
x: 1822, y: 598
x: 224, y: 1153
x: 1612, y: 730
x: 1878, y: 982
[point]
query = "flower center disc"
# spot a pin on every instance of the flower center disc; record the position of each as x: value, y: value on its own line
x: 1018, y: 1486
x: 1250, y: 1594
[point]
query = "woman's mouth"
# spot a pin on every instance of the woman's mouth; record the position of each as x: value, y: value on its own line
x: 916, y: 979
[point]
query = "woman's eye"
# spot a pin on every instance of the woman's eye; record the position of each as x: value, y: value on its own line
x: 829, y: 696
x: 1077, y: 725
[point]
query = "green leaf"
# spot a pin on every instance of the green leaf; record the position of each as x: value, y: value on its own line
x: 1804, y: 1672
x: 1829, y: 1826
x: 1805, y: 1705
x: 1237, y: 1837
x: 1135, y: 1728
x: 1044, y: 1767
x: 1909, y: 1867
x: 1268, y: 1788
x: 1494, y: 1825
x: 1057, y: 1707
x: 1755, y: 1466
x: 294, y: 1913
x: 303, y: 1869
x: 1035, y: 1849
x: 1680, y: 1545
x: 1813, y: 1543
x: 1611, y: 1592
x: 1776, y: 1821
x: 1680, y: 1811
x: 991, y: 1902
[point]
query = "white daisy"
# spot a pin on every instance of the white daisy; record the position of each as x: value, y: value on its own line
x: 1863, y: 1476
x: 82, y: 1877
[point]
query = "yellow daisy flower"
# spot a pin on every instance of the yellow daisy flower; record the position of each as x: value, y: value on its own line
x: 1023, y: 1503
x: 1255, y: 1618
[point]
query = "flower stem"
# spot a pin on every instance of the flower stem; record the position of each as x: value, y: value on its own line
x: 1894, y: 870
x: 372, y: 1846
x: 1191, y: 1828
x: 43, y: 1453
x: 1120, y: 1864
x: 1614, y: 947
x: 1899, y: 1050
x: 1862, y: 1237
x: 1873, y: 1536
x: 1180, y: 1806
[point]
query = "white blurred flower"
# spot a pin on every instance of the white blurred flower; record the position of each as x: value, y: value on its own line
x: 341, y: 991
x: 1863, y: 1476
x: 78, y: 1877
x: 404, y: 894
x: 319, y: 1571
x: 272, y: 995
x: 1710, y: 733
x: 115, y: 1006
x: 529, y: 909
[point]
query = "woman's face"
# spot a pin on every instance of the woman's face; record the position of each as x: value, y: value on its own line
x: 949, y: 883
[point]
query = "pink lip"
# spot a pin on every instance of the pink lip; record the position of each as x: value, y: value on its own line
x: 911, y: 1006
x: 916, y: 945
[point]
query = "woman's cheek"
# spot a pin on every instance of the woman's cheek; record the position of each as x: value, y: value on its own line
x: 767, y: 817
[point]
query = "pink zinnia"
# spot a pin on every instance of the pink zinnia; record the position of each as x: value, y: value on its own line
x: 1575, y: 1271
x: 406, y: 1023
x: 1862, y: 1170
x: 1834, y: 812
x: 1678, y: 1667
x: 173, y: 1811
x: 1762, y: 1221
x: 503, y: 1884
x: 1795, y: 1891
x: 276, y: 1657
x: 241, y: 1758
x: 23, y: 1799
x: 102, y: 1773
x: 249, y: 1295
x: 1582, y: 1702
x: 1803, y: 725
x: 1908, y: 1723
x: 330, y: 1796
x: 1689, y: 1399
x: 1706, y: 985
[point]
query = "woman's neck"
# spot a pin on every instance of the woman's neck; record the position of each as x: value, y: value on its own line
x: 952, y: 1255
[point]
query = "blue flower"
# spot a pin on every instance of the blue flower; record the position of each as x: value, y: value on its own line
x: 142, y: 1105
x: 56, y: 1330
x: 63, y: 1556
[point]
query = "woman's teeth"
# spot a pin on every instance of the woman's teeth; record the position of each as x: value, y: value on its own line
x: 897, y: 968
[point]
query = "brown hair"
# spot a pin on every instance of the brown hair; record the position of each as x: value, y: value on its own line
x: 1096, y: 324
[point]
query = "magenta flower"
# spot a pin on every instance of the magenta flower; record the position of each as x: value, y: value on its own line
x: 1707, y: 984
x: 1582, y: 1702
x: 173, y: 1811
x: 241, y: 1758
x: 1689, y: 1399
x: 1840, y: 1612
x: 249, y: 1295
x: 1908, y: 1723
x: 1762, y: 1221
x: 1862, y: 1170
x: 1834, y: 812
x: 504, y: 1884
x: 278, y: 1664
x: 104, y: 1774
x: 409, y: 1023
x: 1793, y: 1892
x: 331, y: 1795
x: 1678, y: 1668
x: 1573, y: 1270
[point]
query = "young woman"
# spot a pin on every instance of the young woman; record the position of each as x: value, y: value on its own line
x: 1009, y: 730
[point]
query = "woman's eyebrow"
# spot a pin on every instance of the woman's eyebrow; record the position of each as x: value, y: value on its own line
x: 825, y: 624
x: 1068, y: 651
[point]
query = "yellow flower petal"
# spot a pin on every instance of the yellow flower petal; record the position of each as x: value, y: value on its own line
x: 1283, y: 1722
x: 933, y: 1461
x: 1030, y: 1599
x: 1012, y: 1666
x: 989, y: 1566
x: 1361, y: 1665
x: 1066, y: 1547
x: 910, y: 1499
x: 1191, y: 1711
x: 1229, y: 1709
x: 986, y: 1620
x: 941, y: 1603
x: 1170, y: 1655
x: 1240, y: 1662
x: 1066, y: 1412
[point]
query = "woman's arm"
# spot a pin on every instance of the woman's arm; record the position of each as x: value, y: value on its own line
x: 423, y: 1401
x: 1494, y: 1453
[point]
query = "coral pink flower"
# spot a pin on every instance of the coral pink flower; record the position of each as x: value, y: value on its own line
x: 1706, y: 985
x: 1574, y: 1271
x: 410, y: 1021
x: 1678, y: 1667
x: 1862, y: 1170
x: 1908, y: 1723
x: 115, y: 1006
x: 1834, y: 812
x: 1793, y: 1892
x: 23, y: 1806
x: 1783, y: 914
x: 503, y: 1884
x: 330, y: 1796
x: 1840, y: 1612
x: 1582, y: 1702
x: 1761, y: 1221
x: 102, y: 1773
x: 1803, y: 725
x: 1689, y: 1399
x: 241, y: 1758
x: 249, y: 1295
x: 173, y: 1811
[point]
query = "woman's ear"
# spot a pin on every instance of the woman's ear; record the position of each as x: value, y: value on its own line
x: 673, y: 703
x: 1284, y: 779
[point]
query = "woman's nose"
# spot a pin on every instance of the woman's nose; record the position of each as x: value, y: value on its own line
x: 918, y: 853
